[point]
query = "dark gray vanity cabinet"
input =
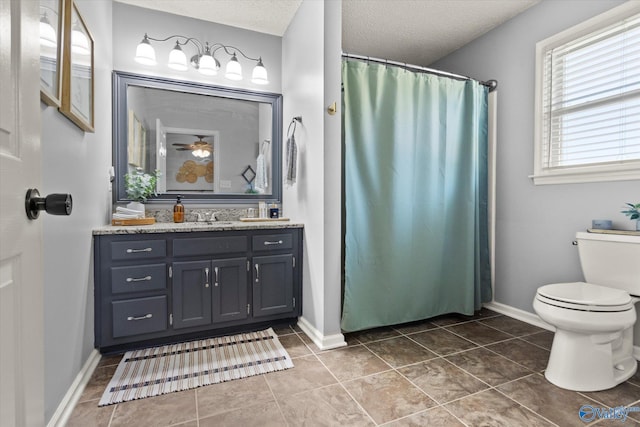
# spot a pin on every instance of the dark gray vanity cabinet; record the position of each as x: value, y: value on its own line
x: 156, y: 288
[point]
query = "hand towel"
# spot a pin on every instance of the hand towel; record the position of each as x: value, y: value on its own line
x: 292, y: 159
x: 261, y: 184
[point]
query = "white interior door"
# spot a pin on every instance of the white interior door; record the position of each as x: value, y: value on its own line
x: 21, y: 293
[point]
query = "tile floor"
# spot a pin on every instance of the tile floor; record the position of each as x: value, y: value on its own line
x: 452, y: 370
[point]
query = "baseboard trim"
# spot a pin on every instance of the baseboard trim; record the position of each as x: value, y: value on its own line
x: 323, y: 342
x: 516, y: 313
x: 68, y: 403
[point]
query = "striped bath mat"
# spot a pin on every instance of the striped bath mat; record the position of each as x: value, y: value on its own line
x: 160, y: 370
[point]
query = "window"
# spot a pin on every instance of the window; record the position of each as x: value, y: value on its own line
x: 588, y: 101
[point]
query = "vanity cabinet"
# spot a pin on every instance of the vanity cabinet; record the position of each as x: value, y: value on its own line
x: 156, y: 288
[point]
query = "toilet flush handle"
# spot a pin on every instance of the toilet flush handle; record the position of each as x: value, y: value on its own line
x: 574, y: 243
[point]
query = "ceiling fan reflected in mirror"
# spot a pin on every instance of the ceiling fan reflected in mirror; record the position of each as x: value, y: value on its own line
x: 200, y: 148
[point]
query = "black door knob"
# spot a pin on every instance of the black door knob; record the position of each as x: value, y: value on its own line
x: 54, y: 204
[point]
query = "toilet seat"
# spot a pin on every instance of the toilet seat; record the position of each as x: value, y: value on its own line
x: 583, y: 296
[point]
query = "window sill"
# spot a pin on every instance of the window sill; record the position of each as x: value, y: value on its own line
x: 586, y: 174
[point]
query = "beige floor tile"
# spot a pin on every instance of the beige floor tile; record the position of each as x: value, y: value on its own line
x: 400, y: 351
x: 352, y: 362
x: 375, y: 334
x: 441, y: 341
x: 439, y: 417
x: 488, y: 366
x: 90, y: 414
x: 511, y: 326
x: 542, y: 339
x: 522, y: 352
x: 388, y: 396
x: 555, y: 404
x: 413, y: 327
x: 327, y: 406
x: 98, y: 382
x: 113, y: 359
x: 228, y: 396
x: 164, y: 410
x: 621, y: 395
x: 490, y: 408
x: 294, y: 345
x: 442, y: 380
x: 265, y: 415
x: 478, y: 333
x: 307, y: 374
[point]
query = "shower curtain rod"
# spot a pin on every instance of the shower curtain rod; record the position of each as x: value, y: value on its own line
x: 491, y: 84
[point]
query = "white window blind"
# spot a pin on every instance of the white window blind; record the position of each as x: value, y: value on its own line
x: 590, y: 100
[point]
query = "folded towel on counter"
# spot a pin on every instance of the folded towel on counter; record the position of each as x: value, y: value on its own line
x: 292, y: 159
x: 124, y: 213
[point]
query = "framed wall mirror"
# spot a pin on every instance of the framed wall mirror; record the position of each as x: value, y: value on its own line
x: 200, y: 138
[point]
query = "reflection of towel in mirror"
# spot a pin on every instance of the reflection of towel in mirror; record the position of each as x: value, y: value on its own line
x: 261, y: 183
x: 292, y: 159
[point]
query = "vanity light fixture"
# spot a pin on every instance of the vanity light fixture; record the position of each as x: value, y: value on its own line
x: 204, y: 60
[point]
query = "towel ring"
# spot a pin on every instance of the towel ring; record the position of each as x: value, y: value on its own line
x: 294, y: 122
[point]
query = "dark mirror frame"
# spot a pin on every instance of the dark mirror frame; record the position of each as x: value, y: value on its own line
x: 121, y: 82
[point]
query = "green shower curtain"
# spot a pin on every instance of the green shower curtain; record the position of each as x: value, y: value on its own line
x: 416, y: 228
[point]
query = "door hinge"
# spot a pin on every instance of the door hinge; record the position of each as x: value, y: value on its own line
x: 170, y: 319
x: 248, y: 308
x: 294, y: 262
x: 248, y: 265
x: 294, y: 302
x: 170, y: 272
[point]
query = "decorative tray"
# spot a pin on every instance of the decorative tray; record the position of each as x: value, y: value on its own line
x: 263, y: 219
x: 134, y: 221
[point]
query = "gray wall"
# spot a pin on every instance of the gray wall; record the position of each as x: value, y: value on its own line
x: 78, y: 163
x: 535, y: 224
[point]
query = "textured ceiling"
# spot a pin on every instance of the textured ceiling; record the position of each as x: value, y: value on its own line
x: 412, y: 31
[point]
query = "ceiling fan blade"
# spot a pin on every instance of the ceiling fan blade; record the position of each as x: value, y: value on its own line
x: 181, y: 145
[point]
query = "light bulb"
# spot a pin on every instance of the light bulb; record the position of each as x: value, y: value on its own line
x: 145, y: 54
x: 207, y: 65
x: 234, y: 69
x: 259, y: 75
x: 177, y: 59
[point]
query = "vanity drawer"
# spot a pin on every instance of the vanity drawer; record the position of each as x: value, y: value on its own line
x: 139, y: 316
x: 138, y: 278
x: 138, y: 249
x: 271, y: 242
x: 209, y: 245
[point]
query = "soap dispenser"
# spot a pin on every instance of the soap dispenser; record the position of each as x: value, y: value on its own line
x: 178, y: 211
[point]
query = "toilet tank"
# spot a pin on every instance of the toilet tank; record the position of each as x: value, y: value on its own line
x: 611, y: 260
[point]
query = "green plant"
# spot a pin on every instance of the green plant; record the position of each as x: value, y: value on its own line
x: 633, y: 212
x: 140, y: 186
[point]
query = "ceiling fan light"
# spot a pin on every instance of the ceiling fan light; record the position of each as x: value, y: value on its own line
x: 48, y: 35
x: 145, y: 54
x: 259, y: 75
x: 177, y: 59
x: 234, y: 69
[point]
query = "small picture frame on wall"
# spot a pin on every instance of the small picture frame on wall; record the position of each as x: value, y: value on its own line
x: 77, y: 70
x: 51, y: 13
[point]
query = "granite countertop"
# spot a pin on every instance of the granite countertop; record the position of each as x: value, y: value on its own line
x: 186, y: 227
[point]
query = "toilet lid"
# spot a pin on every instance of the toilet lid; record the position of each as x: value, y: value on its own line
x: 585, y: 294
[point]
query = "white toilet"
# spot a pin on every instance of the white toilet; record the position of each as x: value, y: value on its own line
x: 593, y: 345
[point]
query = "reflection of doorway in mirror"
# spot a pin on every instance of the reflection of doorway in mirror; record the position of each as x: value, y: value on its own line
x: 186, y: 168
x: 136, y: 145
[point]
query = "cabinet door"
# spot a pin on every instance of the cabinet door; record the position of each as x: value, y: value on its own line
x: 229, y: 289
x: 191, y: 294
x: 272, y: 285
